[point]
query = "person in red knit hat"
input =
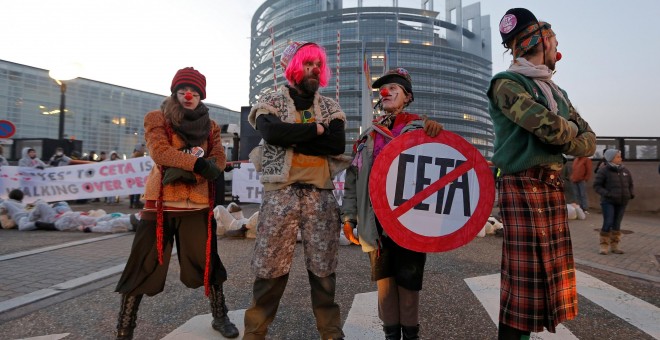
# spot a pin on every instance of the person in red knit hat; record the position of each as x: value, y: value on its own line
x: 186, y: 146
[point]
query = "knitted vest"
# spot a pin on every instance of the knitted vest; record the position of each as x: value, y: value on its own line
x: 516, y: 149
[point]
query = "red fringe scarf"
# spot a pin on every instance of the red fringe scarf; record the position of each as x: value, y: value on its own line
x: 160, y: 215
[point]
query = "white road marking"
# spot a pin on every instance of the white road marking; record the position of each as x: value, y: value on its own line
x: 487, y: 290
x: 635, y: 311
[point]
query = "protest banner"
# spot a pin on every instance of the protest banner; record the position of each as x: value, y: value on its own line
x: 73, y: 182
x: 248, y: 189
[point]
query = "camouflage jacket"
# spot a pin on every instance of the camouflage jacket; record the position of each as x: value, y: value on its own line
x: 527, y: 133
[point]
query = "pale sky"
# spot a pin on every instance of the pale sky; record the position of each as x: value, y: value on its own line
x: 610, y: 66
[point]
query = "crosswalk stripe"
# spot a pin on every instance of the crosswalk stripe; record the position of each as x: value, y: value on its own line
x: 635, y: 311
x: 487, y: 290
x: 362, y: 321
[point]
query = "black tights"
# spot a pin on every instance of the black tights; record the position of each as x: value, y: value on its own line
x: 505, y: 332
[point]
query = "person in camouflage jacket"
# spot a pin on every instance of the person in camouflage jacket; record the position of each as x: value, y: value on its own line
x: 535, y: 125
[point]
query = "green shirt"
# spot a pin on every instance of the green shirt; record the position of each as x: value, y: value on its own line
x: 527, y: 134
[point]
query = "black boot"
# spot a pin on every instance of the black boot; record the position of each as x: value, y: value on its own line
x: 44, y: 225
x: 221, y: 321
x: 392, y: 332
x: 127, y: 316
x: 410, y: 332
x: 506, y: 332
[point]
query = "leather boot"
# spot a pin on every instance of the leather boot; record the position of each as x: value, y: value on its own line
x: 410, y: 332
x: 392, y: 332
x: 221, y: 321
x: 604, y: 242
x: 266, y: 295
x: 615, y: 238
x: 44, y: 225
x: 127, y: 316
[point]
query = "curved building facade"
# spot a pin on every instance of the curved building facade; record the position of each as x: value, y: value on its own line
x: 448, y: 54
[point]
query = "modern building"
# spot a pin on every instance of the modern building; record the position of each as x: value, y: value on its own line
x: 103, y: 116
x: 446, y: 50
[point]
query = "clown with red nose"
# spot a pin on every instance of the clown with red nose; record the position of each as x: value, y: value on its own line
x: 536, y: 126
x: 397, y: 271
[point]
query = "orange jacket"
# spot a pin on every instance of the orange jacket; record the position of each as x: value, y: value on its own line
x: 582, y: 169
x: 168, y: 154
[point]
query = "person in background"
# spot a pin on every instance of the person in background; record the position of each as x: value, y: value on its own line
x: 614, y: 184
x: 304, y: 141
x: 3, y: 160
x: 601, y: 161
x: 186, y: 148
x: 580, y: 175
x: 25, y: 219
x: 398, y: 272
x: 135, y: 203
x: 59, y: 158
x: 114, y: 156
x: 102, y: 157
x: 91, y: 156
x: 535, y: 124
x: 30, y: 159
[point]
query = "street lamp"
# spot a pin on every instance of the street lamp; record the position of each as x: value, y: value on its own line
x: 60, y: 76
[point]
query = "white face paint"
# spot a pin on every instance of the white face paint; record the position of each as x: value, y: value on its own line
x: 395, y: 100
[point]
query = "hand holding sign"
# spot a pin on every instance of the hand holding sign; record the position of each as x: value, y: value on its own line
x: 431, y: 194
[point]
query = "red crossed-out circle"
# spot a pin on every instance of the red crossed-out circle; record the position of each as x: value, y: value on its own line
x: 389, y: 216
x: 7, y: 129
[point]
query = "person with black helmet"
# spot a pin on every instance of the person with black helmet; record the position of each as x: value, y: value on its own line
x: 398, y: 272
x: 535, y: 125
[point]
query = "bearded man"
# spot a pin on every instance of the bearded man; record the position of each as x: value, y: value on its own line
x: 303, y: 142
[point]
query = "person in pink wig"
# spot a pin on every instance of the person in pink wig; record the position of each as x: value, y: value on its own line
x: 302, y: 151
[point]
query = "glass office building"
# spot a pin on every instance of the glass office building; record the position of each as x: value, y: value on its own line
x: 104, y: 117
x: 446, y: 50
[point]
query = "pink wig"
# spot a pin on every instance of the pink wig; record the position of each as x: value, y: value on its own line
x: 295, y: 70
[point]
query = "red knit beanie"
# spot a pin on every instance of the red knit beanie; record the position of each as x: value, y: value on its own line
x: 189, y: 77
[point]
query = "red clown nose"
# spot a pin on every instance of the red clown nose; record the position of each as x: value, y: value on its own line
x: 384, y: 93
x: 316, y: 71
x: 188, y: 96
x: 558, y: 57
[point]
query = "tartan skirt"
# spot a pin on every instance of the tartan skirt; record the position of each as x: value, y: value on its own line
x: 538, y: 286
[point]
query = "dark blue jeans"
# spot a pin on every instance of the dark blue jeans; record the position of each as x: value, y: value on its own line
x: 612, y: 216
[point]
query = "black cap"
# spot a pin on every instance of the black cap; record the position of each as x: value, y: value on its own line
x: 514, y: 21
x: 398, y: 75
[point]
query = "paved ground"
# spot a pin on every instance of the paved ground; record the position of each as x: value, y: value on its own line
x: 69, y: 287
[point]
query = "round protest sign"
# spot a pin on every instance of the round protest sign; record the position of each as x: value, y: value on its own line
x: 431, y: 194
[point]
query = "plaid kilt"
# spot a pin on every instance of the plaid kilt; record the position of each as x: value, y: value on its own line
x: 538, y: 287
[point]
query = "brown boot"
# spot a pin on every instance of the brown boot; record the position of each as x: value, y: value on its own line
x: 604, y: 242
x: 221, y: 321
x: 615, y: 238
x: 127, y: 316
